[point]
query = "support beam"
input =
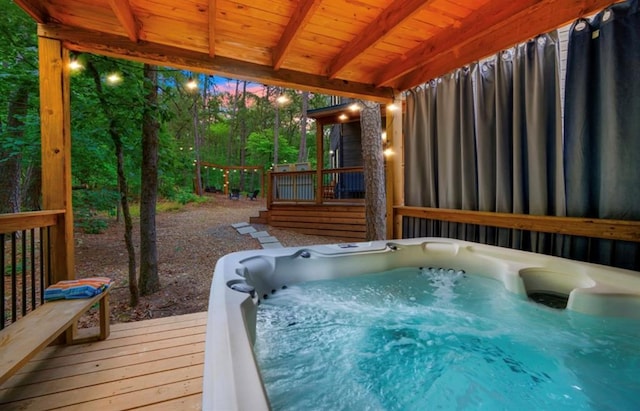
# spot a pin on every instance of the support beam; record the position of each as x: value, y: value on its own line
x: 34, y: 9
x: 212, y: 27
x: 298, y: 21
x: 319, y: 160
x: 55, y: 129
x: 122, y: 10
x: 507, y: 23
x: 120, y: 47
x: 396, y: 13
x: 395, y: 168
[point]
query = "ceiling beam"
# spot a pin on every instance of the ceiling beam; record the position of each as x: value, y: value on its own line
x: 468, y: 30
x: 396, y: 13
x: 212, y: 27
x: 34, y: 9
x: 122, y: 10
x: 301, y: 15
x: 458, y: 50
x: 516, y: 20
x: 81, y: 40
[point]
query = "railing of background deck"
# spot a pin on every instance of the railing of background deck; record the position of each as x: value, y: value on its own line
x: 336, y: 185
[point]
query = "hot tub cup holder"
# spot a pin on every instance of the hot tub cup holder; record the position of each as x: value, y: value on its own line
x: 552, y: 288
x: 242, y: 287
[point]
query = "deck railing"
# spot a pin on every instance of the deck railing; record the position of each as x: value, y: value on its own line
x: 24, y: 259
x: 543, y: 234
x: 328, y: 186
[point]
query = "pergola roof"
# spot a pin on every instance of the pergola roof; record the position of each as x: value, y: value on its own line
x: 357, y: 48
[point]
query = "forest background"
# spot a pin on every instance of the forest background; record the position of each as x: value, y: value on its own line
x: 215, y: 120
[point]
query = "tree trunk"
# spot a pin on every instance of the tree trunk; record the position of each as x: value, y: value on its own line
x: 373, y: 161
x: 11, y: 168
x: 302, y: 152
x: 234, y: 123
x: 149, y: 281
x: 243, y: 133
x: 33, y: 188
x: 276, y: 129
x: 122, y: 186
x: 128, y: 223
x: 196, y: 140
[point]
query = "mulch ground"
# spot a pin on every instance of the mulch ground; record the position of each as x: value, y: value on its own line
x: 190, y: 242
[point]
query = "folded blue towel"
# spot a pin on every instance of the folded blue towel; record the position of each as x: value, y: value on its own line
x: 73, y: 289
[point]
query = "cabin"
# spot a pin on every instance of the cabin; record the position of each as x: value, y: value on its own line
x: 328, y: 201
x: 395, y: 53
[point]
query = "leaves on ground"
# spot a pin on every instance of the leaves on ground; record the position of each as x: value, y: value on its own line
x: 190, y: 242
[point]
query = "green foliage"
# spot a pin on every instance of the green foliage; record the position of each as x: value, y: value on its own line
x: 92, y: 225
x: 234, y: 129
x: 91, y: 206
x: 184, y: 197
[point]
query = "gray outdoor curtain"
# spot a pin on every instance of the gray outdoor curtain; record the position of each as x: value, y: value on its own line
x: 488, y: 137
x: 602, y: 129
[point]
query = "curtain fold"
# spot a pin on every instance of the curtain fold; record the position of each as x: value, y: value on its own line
x: 602, y: 128
x: 485, y: 137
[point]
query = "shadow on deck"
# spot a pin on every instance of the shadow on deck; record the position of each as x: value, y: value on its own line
x: 153, y: 364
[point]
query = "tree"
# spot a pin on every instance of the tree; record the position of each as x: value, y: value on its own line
x: 149, y: 281
x: 302, y: 151
x: 11, y: 168
x: 19, y: 133
x: 373, y: 164
x: 122, y: 181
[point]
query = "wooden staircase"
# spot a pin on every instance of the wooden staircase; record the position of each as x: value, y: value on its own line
x: 343, y: 221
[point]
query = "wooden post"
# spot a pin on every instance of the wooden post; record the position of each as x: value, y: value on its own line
x: 262, y: 189
x: 225, y: 171
x: 55, y: 128
x: 269, y: 190
x: 394, y: 169
x: 319, y: 160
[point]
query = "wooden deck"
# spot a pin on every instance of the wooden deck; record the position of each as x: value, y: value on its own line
x: 333, y: 220
x: 151, y: 365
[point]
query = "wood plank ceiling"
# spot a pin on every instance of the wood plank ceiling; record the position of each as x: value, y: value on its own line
x: 368, y: 49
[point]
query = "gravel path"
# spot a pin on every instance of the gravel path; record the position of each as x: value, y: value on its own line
x: 190, y: 241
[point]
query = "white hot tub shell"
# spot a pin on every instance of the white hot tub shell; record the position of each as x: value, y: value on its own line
x: 231, y: 376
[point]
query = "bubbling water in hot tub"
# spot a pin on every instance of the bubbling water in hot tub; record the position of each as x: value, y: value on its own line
x: 430, y: 338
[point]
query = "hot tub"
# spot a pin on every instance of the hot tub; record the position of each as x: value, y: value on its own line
x: 232, y: 380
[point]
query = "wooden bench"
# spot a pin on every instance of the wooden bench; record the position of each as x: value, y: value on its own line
x: 23, y: 339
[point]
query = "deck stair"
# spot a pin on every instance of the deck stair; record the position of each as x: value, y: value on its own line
x: 343, y: 221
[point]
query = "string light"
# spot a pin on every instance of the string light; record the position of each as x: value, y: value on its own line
x: 75, y: 65
x: 342, y: 117
x: 192, y: 84
x: 114, y: 78
x: 392, y: 107
x: 355, y: 107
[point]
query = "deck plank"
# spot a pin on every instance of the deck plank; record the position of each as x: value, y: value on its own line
x: 167, y: 397
x: 112, y: 352
x: 191, y: 402
x: 63, y: 371
x: 154, y: 364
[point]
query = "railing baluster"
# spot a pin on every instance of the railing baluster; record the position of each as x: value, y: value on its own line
x: 14, y: 273
x: 33, y: 269
x: 48, y: 262
x: 24, y: 272
x: 3, y: 268
x: 42, y: 230
x: 22, y: 291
